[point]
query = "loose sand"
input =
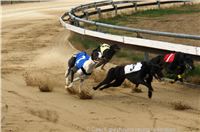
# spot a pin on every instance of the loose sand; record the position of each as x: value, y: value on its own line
x: 34, y: 43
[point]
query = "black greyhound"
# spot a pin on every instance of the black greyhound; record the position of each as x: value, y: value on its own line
x: 140, y: 73
x: 174, y: 63
x: 104, y: 56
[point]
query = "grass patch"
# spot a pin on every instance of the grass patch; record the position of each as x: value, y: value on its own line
x: 195, y: 71
x: 191, y: 76
x: 87, y: 43
x: 184, y: 9
x: 131, y: 18
x: 194, y: 75
x: 130, y: 55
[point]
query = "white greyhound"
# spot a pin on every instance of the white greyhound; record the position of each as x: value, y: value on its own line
x: 81, y: 73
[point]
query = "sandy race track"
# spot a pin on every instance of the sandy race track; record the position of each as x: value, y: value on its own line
x: 34, y: 43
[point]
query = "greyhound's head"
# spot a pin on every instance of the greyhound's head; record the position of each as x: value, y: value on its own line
x: 115, y: 47
x: 189, y: 63
x: 156, y: 71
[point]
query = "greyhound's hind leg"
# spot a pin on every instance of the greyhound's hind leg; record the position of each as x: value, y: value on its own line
x: 69, y: 79
x: 116, y: 83
x: 102, y: 67
x: 109, y: 78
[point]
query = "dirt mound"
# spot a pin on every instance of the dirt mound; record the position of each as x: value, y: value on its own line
x: 46, y: 114
x: 40, y: 79
x: 84, y: 94
x: 180, y: 106
x: 45, y: 68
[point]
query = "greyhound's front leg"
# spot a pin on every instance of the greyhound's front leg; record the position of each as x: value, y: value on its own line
x: 148, y: 85
x: 150, y: 90
x: 66, y: 77
x: 68, y: 83
x: 116, y: 83
x: 69, y: 80
x: 102, y: 67
x: 136, y: 89
x: 104, y: 63
x: 99, y: 85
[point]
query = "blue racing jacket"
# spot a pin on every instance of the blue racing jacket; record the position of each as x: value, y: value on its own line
x: 81, y: 58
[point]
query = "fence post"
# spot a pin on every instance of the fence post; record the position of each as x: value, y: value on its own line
x: 158, y: 2
x: 115, y: 7
x: 73, y: 21
x: 77, y: 23
x: 97, y: 28
x: 99, y: 12
x: 135, y: 6
x: 86, y: 15
x: 146, y: 54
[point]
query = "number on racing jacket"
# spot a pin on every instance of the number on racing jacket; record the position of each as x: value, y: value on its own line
x: 132, y: 68
x: 81, y: 58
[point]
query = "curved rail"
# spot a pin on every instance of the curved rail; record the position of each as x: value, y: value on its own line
x: 77, y: 14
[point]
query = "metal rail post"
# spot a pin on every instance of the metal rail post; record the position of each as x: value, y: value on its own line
x: 99, y: 12
x: 146, y: 54
x: 97, y: 28
x: 136, y: 6
x: 158, y: 2
x: 115, y: 7
x: 86, y: 15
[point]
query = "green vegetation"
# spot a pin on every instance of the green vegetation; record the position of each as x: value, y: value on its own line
x: 196, y: 71
x: 86, y: 42
x: 124, y: 18
x: 191, y: 75
x: 130, y: 55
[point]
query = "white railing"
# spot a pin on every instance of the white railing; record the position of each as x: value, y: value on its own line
x: 152, y: 44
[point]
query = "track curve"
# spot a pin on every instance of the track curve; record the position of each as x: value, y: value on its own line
x: 36, y: 43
